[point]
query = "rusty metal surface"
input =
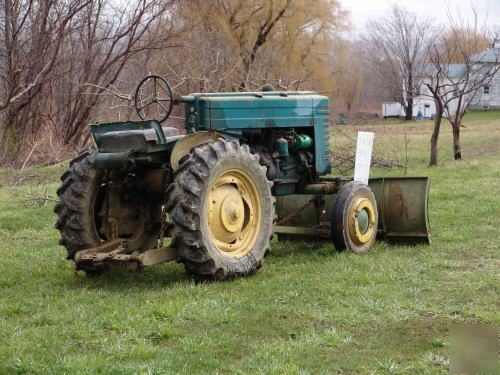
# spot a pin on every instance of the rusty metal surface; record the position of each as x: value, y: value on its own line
x: 322, y: 188
x: 300, y: 210
x: 100, y: 252
x: 291, y: 216
x: 116, y: 251
x: 149, y: 257
x: 402, y: 204
x: 302, y: 215
x: 156, y: 256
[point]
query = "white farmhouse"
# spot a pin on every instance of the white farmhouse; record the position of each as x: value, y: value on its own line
x: 487, y: 97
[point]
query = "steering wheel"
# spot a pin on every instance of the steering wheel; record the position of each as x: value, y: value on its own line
x: 153, y: 98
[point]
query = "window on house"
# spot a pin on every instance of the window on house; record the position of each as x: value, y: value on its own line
x: 427, y: 106
x: 486, y: 89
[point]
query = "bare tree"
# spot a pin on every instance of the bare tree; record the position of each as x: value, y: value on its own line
x: 28, y: 27
x: 32, y: 35
x: 479, y: 70
x: 106, y: 44
x: 58, y: 59
x: 435, y: 85
x: 455, y: 86
x: 397, y: 46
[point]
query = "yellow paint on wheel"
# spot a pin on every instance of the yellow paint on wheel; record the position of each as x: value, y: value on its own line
x: 356, y: 232
x: 233, y: 213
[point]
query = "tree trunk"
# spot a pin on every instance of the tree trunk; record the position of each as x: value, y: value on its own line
x: 409, y: 110
x: 409, y: 95
x: 457, y: 150
x: 435, y: 135
x: 11, y: 143
x: 245, y: 75
x: 348, y: 105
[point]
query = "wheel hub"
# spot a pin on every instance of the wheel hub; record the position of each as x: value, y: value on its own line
x: 361, y: 221
x: 233, y: 213
x: 228, y: 206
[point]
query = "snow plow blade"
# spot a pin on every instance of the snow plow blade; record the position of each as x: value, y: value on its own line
x: 402, y: 208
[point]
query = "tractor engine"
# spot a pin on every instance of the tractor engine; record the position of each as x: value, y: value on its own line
x: 288, y: 157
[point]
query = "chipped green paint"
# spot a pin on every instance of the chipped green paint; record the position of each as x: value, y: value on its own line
x: 234, y: 112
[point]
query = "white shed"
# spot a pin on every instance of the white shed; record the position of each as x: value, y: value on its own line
x: 392, y: 109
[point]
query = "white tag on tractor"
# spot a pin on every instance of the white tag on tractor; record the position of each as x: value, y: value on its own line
x: 363, y: 156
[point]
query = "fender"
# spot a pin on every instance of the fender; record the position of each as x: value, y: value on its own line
x: 186, y: 143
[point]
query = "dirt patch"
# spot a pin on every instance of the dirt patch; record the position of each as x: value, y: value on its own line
x: 358, y: 118
x: 392, y: 128
x: 484, y: 149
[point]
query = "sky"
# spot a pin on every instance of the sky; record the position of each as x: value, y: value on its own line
x: 362, y: 10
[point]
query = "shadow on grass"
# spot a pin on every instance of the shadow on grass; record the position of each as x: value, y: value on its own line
x: 325, y: 249
x: 161, y: 276
x: 315, y: 248
x: 171, y: 275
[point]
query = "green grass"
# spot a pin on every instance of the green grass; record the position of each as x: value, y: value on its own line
x: 491, y: 115
x: 308, y: 310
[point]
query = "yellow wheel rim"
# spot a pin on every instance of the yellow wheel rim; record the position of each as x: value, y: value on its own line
x: 233, y: 213
x: 359, y: 231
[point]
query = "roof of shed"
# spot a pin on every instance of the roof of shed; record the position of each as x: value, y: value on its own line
x: 451, y: 70
x: 491, y: 55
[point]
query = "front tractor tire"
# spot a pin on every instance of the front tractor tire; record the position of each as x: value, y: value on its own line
x: 221, y: 205
x: 83, y: 211
x: 354, y: 218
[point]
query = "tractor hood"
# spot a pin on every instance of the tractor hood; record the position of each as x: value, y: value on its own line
x: 232, y: 111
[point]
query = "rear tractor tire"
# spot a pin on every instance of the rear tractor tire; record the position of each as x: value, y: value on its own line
x: 81, y: 211
x: 221, y: 206
x: 354, y: 218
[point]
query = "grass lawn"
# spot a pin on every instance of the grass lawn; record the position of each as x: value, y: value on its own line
x: 308, y: 310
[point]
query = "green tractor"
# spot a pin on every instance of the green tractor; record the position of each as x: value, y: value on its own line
x: 251, y: 164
